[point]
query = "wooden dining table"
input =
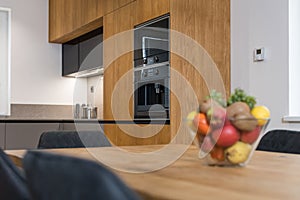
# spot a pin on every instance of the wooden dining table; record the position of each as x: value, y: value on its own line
x: 268, y: 175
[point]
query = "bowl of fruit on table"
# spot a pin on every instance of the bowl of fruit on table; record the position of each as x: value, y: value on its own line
x: 228, y: 132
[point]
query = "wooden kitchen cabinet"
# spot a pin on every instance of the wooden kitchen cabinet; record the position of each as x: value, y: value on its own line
x: 147, y: 10
x: 118, y: 61
x: 26, y: 135
x: 69, y: 19
x: 2, y: 135
x: 112, y: 5
x: 118, y: 79
x: 207, y: 23
x: 119, y: 134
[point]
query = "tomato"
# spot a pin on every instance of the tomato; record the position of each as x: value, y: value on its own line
x: 218, y: 153
x: 201, y: 123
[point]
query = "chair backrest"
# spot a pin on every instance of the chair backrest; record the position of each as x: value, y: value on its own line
x: 72, y: 139
x: 12, y: 182
x: 285, y: 141
x: 58, y: 177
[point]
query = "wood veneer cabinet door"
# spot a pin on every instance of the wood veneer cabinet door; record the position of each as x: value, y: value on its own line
x: 208, y: 24
x: 121, y: 135
x: 69, y: 19
x: 60, y: 18
x: 111, y: 5
x: 147, y: 10
x: 91, y: 10
x: 118, y: 61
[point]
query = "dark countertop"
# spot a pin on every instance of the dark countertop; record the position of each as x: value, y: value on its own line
x: 100, y: 121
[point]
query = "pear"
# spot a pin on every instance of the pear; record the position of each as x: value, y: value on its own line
x: 238, y: 152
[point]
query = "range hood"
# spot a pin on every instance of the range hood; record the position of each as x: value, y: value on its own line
x: 83, y: 56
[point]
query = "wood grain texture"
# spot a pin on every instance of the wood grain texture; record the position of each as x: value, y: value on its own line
x: 118, y: 81
x: 268, y: 176
x: 118, y: 57
x: 207, y: 25
x: 131, y: 135
x: 69, y: 19
x: 147, y: 10
x: 112, y: 5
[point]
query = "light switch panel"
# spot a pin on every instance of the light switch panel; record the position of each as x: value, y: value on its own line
x: 259, y: 54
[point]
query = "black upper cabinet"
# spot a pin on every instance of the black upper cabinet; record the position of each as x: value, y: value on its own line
x: 83, y: 54
x: 70, y: 59
x: 91, y: 53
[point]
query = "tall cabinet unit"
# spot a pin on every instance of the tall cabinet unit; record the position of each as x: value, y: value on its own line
x: 118, y: 55
x: 118, y: 77
x: 118, y: 58
x: 207, y: 23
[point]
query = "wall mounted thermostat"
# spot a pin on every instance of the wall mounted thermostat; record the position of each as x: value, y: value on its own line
x: 259, y: 54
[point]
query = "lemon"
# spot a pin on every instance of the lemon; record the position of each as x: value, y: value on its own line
x: 261, y: 113
x: 190, y: 118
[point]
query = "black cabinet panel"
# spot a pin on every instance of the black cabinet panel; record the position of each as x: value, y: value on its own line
x: 91, y: 53
x: 70, y: 59
x: 83, y: 53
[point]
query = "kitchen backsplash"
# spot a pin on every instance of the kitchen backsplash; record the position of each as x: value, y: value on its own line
x: 35, y: 111
x: 42, y: 111
x: 95, y: 93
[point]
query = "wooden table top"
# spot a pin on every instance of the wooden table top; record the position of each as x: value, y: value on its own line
x: 267, y: 176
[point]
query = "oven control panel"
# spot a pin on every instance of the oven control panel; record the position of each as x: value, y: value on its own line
x: 152, y: 72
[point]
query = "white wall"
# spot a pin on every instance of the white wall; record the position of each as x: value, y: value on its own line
x: 96, y: 98
x: 262, y: 23
x: 36, y: 64
x: 294, y: 58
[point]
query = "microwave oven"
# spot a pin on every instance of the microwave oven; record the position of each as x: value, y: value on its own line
x: 151, y: 42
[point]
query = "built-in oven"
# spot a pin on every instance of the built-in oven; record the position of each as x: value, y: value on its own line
x: 152, y: 69
x: 151, y: 95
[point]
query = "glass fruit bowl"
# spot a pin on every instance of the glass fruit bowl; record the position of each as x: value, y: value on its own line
x: 227, y: 142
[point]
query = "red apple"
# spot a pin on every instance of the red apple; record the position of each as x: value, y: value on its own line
x: 227, y: 136
x: 227, y: 122
x: 250, y: 137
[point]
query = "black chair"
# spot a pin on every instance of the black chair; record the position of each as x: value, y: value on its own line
x: 58, y: 177
x: 72, y: 139
x: 284, y: 141
x: 12, y: 182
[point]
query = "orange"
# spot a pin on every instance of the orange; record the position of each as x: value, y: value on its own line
x: 201, y: 123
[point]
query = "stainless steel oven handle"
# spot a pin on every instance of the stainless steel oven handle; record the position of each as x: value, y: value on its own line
x: 143, y: 67
x: 152, y: 80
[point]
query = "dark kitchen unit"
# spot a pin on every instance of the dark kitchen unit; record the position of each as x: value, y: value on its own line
x: 152, y: 69
x: 83, y: 56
